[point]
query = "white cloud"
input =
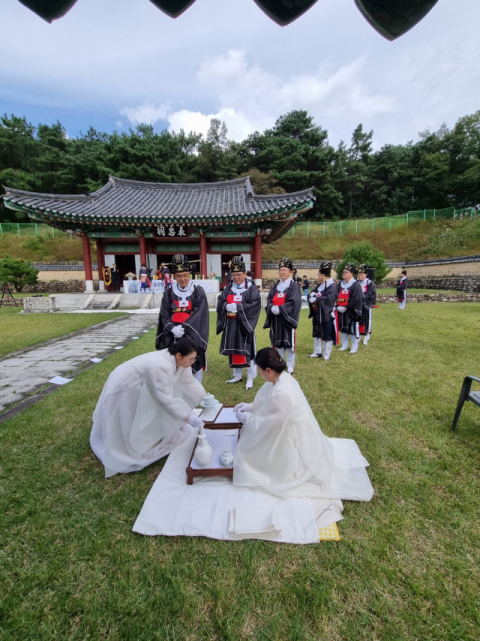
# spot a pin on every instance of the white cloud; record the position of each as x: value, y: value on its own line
x: 251, y: 98
x: 146, y: 114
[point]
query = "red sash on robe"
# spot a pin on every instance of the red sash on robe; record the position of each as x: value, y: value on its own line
x: 182, y: 313
x: 362, y: 326
x: 279, y: 299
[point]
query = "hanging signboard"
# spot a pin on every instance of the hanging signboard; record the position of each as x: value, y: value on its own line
x: 171, y: 231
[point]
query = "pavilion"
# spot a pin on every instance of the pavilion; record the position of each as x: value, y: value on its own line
x: 137, y: 222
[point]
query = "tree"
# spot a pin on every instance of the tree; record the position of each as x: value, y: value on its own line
x: 17, y: 273
x: 297, y: 154
x: 357, y: 162
x: 364, y: 252
x: 263, y: 184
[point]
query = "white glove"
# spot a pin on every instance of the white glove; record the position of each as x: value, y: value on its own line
x: 178, y: 331
x: 231, y: 307
x: 275, y: 310
x: 243, y: 407
x: 194, y: 421
x: 313, y: 298
x: 342, y: 310
x: 242, y: 417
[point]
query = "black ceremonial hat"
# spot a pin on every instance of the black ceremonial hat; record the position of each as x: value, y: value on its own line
x: 180, y: 264
x: 351, y: 267
x: 286, y: 262
x: 325, y: 267
x: 237, y: 264
x: 362, y: 268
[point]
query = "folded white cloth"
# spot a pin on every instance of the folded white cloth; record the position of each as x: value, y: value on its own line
x: 253, y: 520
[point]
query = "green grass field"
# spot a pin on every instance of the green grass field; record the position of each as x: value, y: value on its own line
x: 393, y: 290
x: 18, y: 331
x: 407, y: 567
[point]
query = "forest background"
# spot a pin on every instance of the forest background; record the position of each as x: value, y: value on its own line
x: 441, y: 169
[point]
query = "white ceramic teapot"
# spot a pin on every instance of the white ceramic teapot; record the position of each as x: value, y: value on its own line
x: 203, y: 451
x: 227, y: 458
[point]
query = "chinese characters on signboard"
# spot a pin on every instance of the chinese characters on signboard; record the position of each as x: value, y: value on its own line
x: 171, y: 231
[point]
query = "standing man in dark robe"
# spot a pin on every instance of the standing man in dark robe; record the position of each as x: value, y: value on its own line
x: 184, y: 312
x: 402, y: 289
x: 238, y: 309
x: 369, y: 300
x: 349, y: 308
x: 283, y: 310
x: 322, y: 303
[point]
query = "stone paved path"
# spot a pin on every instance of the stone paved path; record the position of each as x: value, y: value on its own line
x: 25, y: 372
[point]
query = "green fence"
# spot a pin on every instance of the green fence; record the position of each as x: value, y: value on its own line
x: 30, y: 229
x: 371, y: 225
x: 314, y: 229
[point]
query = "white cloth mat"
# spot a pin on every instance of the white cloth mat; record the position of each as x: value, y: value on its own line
x: 218, y: 440
x: 173, y: 508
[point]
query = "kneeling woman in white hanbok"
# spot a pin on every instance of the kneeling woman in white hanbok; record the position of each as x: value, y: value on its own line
x: 282, y: 449
x: 145, y: 408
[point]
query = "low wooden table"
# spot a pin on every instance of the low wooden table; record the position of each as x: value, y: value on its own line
x: 209, y: 472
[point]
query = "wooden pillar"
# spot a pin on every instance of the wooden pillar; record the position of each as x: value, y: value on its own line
x: 257, y: 253
x: 203, y: 256
x: 143, y: 250
x: 101, y: 265
x: 87, y: 261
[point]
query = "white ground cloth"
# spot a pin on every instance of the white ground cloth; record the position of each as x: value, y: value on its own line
x: 141, y: 413
x: 174, y: 508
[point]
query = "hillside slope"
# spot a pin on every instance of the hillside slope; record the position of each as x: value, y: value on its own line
x: 445, y: 239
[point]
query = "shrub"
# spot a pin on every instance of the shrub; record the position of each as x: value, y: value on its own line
x: 17, y: 273
x: 364, y: 252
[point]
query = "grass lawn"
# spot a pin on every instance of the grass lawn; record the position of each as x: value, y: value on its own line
x: 23, y: 330
x: 393, y: 290
x: 408, y: 563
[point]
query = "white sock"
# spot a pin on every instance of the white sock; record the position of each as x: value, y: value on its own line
x: 344, y: 338
x: 355, y: 342
x: 327, y: 350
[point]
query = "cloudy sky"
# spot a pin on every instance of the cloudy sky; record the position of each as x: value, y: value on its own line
x: 111, y: 64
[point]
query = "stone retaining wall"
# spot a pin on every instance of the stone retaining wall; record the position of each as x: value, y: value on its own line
x: 454, y: 283
x: 57, y: 287
x: 431, y: 298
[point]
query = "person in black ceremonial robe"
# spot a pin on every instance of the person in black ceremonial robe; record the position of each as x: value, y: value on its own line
x: 238, y: 309
x: 184, y: 312
x: 369, y: 300
x: 322, y: 303
x: 349, y: 308
x: 402, y: 289
x: 283, y: 310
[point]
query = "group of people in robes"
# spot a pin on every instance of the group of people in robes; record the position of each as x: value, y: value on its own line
x: 341, y: 312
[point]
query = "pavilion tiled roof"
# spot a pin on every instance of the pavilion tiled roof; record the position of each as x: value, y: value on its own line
x: 146, y: 201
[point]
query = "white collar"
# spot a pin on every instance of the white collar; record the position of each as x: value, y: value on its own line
x: 326, y: 284
x: 283, y: 284
x: 402, y: 278
x: 183, y: 292
x: 242, y: 287
x: 367, y: 281
x: 345, y: 285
